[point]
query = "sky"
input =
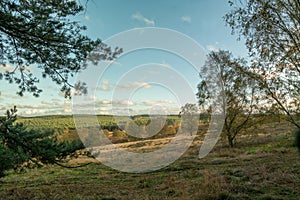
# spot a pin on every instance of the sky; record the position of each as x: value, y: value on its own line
x: 142, y: 80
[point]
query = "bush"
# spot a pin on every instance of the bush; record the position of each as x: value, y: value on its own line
x: 119, y: 133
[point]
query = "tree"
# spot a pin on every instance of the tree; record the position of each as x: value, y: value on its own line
x: 189, y: 115
x: 41, y: 34
x: 241, y: 97
x: 20, y: 146
x: 155, y: 126
x: 136, y: 128
x: 271, y: 29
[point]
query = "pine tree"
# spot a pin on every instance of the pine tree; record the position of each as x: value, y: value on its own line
x: 20, y: 146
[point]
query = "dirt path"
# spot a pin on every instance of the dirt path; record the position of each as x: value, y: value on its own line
x: 141, y: 146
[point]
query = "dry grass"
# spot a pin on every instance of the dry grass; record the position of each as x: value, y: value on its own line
x: 260, y: 167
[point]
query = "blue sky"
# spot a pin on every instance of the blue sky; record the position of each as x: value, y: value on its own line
x: 125, y: 87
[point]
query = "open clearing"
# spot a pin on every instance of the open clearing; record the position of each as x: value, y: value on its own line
x: 265, y: 165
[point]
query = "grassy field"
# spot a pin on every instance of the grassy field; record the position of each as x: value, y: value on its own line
x: 264, y: 165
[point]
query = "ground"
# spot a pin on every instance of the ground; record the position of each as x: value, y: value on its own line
x: 265, y: 164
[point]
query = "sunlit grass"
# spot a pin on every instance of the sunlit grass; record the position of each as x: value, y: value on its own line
x: 265, y: 166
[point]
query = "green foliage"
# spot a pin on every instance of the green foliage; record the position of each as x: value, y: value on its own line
x: 58, y: 124
x: 155, y: 126
x: 135, y: 129
x: 109, y: 125
x: 190, y: 118
x: 142, y: 121
x: 271, y: 29
x: 119, y: 133
x: 65, y: 130
x: 42, y: 34
x: 240, y: 95
x: 20, y: 146
x: 61, y: 123
x: 272, y: 33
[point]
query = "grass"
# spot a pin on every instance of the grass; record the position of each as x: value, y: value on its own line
x: 264, y: 166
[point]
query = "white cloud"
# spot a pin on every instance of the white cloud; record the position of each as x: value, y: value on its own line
x: 86, y: 17
x: 34, y: 112
x: 105, y: 102
x: 159, y: 102
x: 211, y: 48
x: 91, y: 98
x: 134, y: 85
x: 103, y: 106
x: 11, y: 96
x: 107, y: 86
x: 141, y: 18
x: 186, y: 19
x: 45, y: 108
x: 67, y: 110
x: 104, y: 88
x: 140, y: 84
x: 214, y: 47
x: 104, y: 113
x: 122, y: 103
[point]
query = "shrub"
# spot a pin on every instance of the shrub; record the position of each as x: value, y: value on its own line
x: 119, y: 133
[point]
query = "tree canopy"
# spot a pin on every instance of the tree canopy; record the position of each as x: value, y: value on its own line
x: 272, y: 32
x: 42, y: 34
x: 189, y: 114
x: 240, y: 93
